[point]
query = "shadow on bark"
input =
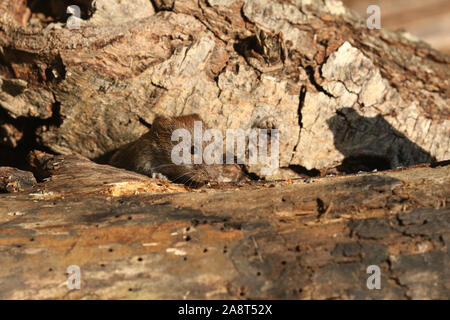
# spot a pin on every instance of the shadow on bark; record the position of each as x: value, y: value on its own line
x: 372, y: 143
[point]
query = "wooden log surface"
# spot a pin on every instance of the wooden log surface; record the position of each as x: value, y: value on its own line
x: 136, y: 237
x: 335, y: 89
x: 344, y: 98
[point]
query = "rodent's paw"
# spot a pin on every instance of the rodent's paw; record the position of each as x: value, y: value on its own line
x: 160, y: 176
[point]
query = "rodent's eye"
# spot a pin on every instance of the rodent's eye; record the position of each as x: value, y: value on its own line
x: 193, y: 150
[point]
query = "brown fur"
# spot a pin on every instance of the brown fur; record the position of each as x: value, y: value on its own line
x: 151, y: 153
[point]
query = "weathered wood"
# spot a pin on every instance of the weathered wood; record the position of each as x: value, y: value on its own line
x: 93, y: 89
x: 292, y: 239
x: 341, y: 96
x: 13, y: 179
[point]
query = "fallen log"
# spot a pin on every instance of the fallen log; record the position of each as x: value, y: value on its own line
x: 344, y: 98
x: 336, y: 90
x: 136, y: 237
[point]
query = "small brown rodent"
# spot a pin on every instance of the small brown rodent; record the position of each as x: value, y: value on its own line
x: 151, y: 153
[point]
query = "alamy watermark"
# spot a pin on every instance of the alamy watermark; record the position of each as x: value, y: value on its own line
x: 74, y: 21
x: 74, y: 280
x: 258, y: 147
x: 374, y: 281
x: 374, y: 20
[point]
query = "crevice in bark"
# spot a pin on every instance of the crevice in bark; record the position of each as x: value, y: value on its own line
x: 6, y: 70
x: 244, y: 17
x: 394, y: 278
x: 216, y: 77
x: 163, y: 5
x: 29, y: 127
x: 37, y: 73
x: 205, y: 24
x: 144, y: 123
x: 56, y: 72
x: 248, y: 43
x: 243, y: 46
x: 301, y: 101
x: 310, y: 72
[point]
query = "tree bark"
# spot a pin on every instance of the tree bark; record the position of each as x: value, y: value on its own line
x: 341, y: 95
x: 136, y: 237
x: 337, y: 91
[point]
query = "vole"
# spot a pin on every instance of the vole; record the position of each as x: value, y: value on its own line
x: 151, y: 154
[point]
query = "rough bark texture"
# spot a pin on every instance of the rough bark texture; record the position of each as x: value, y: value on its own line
x: 341, y: 95
x: 340, y: 92
x: 14, y: 180
x: 135, y: 237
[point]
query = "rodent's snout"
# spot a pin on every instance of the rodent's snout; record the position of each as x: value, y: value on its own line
x: 212, y: 173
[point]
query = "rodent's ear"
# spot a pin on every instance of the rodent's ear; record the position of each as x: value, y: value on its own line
x: 161, y: 124
x: 196, y: 116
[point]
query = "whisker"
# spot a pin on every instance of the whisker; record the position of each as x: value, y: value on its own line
x: 181, y: 175
x: 163, y: 166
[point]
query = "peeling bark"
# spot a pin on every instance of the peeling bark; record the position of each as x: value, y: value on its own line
x: 125, y: 65
x: 344, y: 98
